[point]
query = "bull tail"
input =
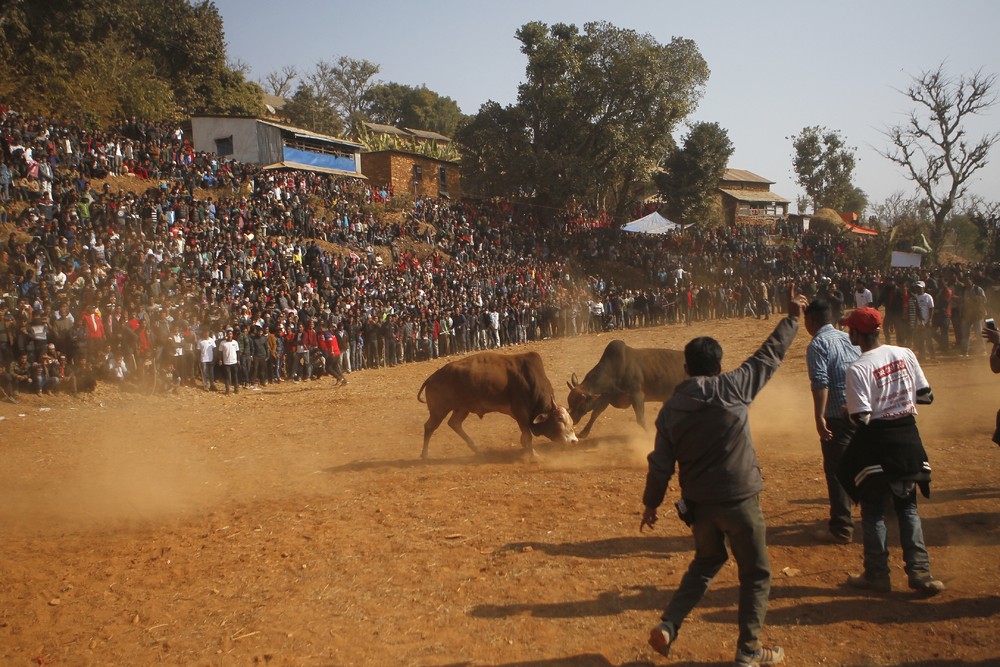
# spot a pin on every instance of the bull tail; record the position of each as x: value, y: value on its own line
x: 421, y: 391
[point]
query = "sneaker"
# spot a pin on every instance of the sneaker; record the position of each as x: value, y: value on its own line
x: 877, y: 584
x: 660, y: 638
x: 765, y: 655
x: 927, y: 584
x: 826, y: 537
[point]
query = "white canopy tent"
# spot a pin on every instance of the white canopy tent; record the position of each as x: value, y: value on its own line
x: 654, y: 223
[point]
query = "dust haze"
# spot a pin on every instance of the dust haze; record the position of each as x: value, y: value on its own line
x: 298, y: 525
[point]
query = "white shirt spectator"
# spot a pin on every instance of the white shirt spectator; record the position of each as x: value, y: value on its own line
x: 206, y: 350
x: 925, y: 302
x: 229, y: 350
x: 884, y: 382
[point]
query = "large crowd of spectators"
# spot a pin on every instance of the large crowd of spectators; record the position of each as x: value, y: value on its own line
x: 315, y: 275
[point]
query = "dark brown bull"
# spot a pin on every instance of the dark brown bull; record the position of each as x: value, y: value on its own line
x: 514, y: 384
x: 625, y: 376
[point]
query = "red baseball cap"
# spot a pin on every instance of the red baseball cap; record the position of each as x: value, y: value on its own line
x: 863, y: 320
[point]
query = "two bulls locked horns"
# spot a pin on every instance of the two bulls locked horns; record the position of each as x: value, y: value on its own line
x: 516, y: 385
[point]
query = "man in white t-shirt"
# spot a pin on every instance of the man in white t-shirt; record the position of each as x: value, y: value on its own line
x: 206, y: 354
x: 886, y: 459
x: 229, y: 358
x: 921, y: 313
x: 862, y: 295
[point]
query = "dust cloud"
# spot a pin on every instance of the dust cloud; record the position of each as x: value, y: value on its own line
x: 117, y: 474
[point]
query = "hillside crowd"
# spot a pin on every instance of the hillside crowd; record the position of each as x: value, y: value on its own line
x: 215, y: 271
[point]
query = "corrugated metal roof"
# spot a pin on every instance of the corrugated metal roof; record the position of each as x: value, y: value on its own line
x: 754, y: 195
x: 744, y: 176
x: 400, y: 151
x: 309, y: 133
x: 318, y: 170
x: 386, y: 129
x: 427, y: 134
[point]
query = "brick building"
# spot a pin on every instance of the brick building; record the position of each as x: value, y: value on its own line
x: 419, y: 175
x: 414, y: 161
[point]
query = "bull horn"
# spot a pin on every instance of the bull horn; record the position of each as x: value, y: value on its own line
x: 575, y: 381
x: 540, y: 418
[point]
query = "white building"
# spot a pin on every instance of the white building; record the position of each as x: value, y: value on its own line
x: 274, y: 145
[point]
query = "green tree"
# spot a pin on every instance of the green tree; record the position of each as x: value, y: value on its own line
x: 419, y: 108
x: 691, y: 173
x: 307, y: 110
x: 855, y: 201
x: 598, y: 108
x: 97, y: 60
x: 824, y: 166
x: 494, y: 143
x: 187, y: 44
x: 985, y: 216
x: 343, y: 86
x: 933, y: 146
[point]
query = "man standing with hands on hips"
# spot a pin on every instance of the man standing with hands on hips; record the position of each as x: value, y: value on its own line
x: 703, y: 431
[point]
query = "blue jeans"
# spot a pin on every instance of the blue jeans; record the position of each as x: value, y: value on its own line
x: 875, y: 493
x: 208, y: 374
x: 743, y: 523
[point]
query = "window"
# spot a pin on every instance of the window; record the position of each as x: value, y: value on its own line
x: 443, y: 180
x: 224, y: 146
x: 418, y: 173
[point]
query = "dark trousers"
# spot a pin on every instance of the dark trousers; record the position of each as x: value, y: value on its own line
x: 334, y: 368
x: 229, y: 376
x: 743, y: 523
x: 259, y: 373
x: 841, y: 523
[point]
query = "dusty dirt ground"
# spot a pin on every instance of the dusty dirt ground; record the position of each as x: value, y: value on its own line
x: 297, y: 526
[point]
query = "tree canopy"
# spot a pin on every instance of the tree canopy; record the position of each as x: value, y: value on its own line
x: 98, y: 60
x: 824, y: 165
x: 691, y: 173
x: 407, y: 106
x: 593, y: 118
x: 307, y: 109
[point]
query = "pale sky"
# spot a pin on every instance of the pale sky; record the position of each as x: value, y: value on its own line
x: 777, y: 66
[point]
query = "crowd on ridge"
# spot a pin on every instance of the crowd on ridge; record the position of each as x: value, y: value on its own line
x: 316, y: 275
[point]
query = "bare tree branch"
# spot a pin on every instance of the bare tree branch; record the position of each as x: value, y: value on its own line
x: 280, y: 84
x: 931, y: 146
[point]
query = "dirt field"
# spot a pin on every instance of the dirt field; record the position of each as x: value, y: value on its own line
x: 297, y: 526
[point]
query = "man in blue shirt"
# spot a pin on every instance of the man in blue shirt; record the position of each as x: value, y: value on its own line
x: 829, y: 354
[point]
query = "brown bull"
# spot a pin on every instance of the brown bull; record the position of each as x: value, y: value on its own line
x: 513, y: 384
x: 625, y: 376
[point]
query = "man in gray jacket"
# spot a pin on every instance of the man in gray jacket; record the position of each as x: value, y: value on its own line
x: 703, y: 430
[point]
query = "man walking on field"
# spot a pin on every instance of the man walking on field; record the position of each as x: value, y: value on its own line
x: 886, y: 461
x: 704, y: 432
